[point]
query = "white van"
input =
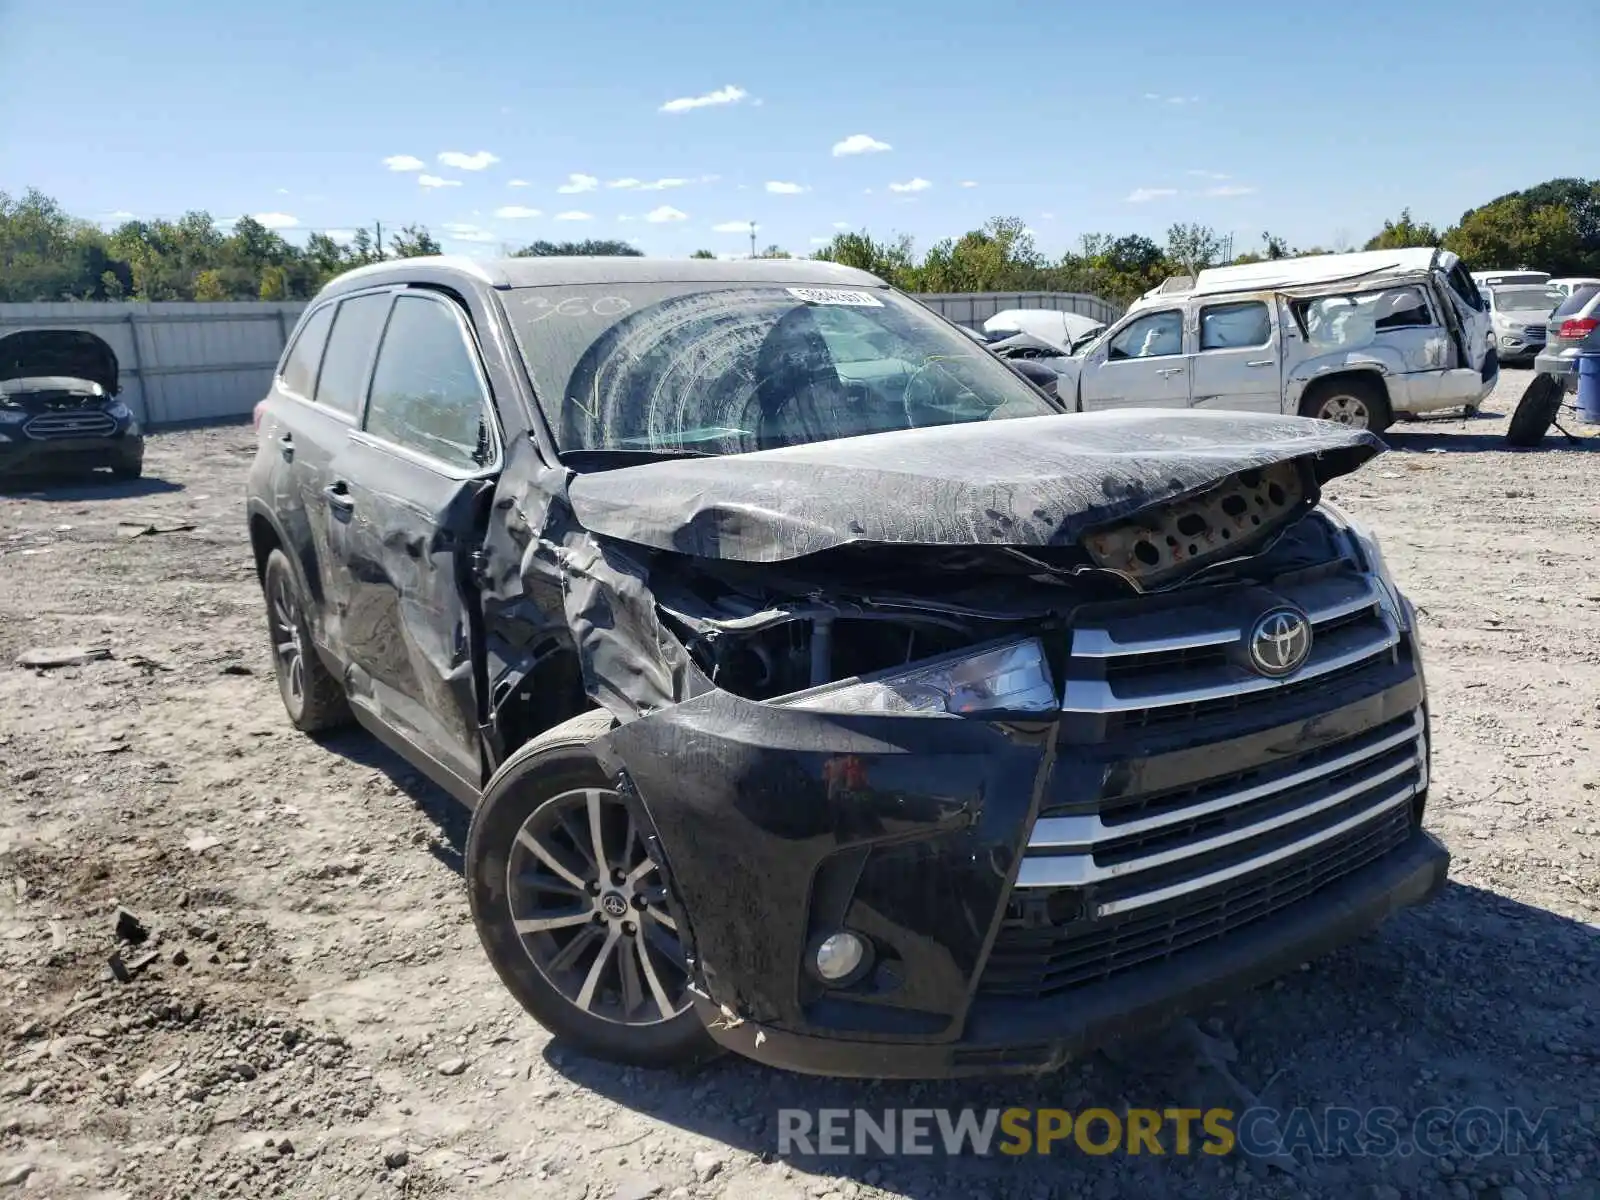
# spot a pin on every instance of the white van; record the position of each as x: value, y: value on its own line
x: 1495, y: 278
x: 1354, y: 338
x: 1566, y: 286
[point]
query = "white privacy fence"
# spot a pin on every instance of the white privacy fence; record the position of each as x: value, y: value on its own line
x: 181, y: 363
x: 191, y: 363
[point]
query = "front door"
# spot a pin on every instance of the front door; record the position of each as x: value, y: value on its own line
x: 413, y: 487
x: 1236, y: 362
x: 1142, y: 364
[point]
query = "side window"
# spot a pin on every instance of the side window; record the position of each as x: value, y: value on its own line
x: 344, y: 364
x: 299, y: 373
x: 1234, y: 326
x: 1152, y: 336
x: 427, y: 394
x: 1461, y: 283
x: 1401, y: 308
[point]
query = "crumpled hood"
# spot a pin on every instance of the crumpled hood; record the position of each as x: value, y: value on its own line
x: 1032, y: 481
x: 69, y: 353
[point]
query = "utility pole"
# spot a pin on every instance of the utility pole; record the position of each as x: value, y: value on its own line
x: 378, y: 225
x: 752, y: 239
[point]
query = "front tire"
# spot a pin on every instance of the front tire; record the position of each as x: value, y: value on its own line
x: 1358, y: 403
x: 311, y: 696
x: 573, y: 910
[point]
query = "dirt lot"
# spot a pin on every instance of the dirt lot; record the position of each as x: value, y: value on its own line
x: 317, y: 1018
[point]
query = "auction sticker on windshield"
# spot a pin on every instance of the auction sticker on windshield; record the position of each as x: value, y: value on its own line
x: 835, y: 296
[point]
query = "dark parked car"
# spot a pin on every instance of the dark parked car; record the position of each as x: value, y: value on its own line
x: 822, y: 691
x: 58, y: 406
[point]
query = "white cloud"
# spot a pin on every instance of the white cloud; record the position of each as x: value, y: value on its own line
x: 516, y: 212
x: 860, y: 143
x: 574, y: 215
x: 1230, y: 189
x: 820, y: 241
x: 283, y: 191
x: 841, y: 224
x: 629, y: 182
x: 665, y: 213
x: 1047, y: 216
x: 661, y: 185
x: 1145, y: 195
x: 273, y: 220
x: 458, y: 232
x: 732, y: 227
x: 434, y: 181
x: 463, y: 161
x: 1209, y: 175
x: 119, y: 215
x: 518, y: 183
x: 578, y: 183
x: 1172, y: 99
x: 723, y: 95
x: 918, y: 184
x: 969, y: 183
x: 404, y: 162
x: 779, y: 187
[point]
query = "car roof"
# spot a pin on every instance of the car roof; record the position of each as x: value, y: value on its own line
x: 1301, y: 272
x: 559, y: 271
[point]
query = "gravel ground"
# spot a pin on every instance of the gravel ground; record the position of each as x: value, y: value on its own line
x: 308, y: 1012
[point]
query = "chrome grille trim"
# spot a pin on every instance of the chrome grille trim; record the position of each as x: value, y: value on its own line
x: 1090, y: 829
x: 1127, y: 903
x: 70, y: 424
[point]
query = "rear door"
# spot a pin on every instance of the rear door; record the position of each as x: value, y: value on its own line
x: 413, y: 485
x: 1236, y: 360
x: 1140, y: 365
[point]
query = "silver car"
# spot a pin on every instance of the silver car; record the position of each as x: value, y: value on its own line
x: 1519, y: 312
x: 1574, y: 328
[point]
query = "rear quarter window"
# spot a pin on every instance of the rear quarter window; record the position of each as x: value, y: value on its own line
x: 350, y: 348
x: 299, y: 373
x: 1577, y: 302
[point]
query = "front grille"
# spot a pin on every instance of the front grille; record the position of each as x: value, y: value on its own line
x: 1206, y: 794
x: 83, y: 423
x: 1031, y: 960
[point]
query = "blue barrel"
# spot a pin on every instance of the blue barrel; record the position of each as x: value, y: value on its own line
x: 1589, y: 388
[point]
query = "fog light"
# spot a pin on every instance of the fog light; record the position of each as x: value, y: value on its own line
x: 840, y: 955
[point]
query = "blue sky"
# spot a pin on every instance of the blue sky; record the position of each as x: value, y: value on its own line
x: 1314, y: 121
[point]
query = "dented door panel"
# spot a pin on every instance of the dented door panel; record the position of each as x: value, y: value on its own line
x: 406, y: 545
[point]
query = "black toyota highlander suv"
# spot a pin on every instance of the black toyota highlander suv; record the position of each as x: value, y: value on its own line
x: 821, y: 690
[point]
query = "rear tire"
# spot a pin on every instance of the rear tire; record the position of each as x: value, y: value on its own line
x: 590, y: 949
x: 128, y: 471
x: 311, y: 696
x: 1535, y: 412
x: 1349, y: 400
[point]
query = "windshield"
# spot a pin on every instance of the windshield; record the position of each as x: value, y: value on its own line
x: 1526, y: 299
x: 730, y: 368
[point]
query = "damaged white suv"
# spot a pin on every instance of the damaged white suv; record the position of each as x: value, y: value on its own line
x: 1356, y: 338
x: 823, y: 692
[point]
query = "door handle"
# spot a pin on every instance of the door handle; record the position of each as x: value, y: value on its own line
x: 1261, y: 362
x: 339, y: 497
x: 1165, y: 371
x: 286, y: 445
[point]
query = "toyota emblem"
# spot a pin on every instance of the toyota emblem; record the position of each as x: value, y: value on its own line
x: 1280, y: 642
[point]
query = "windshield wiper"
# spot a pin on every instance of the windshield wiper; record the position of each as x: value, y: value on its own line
x: 624, y: 456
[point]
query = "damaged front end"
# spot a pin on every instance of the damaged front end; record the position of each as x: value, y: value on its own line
x: 996, y: 712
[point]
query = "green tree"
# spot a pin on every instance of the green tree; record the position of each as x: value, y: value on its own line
x: 702, y: 254
x: 274, y: 284
x: 589, y: 248
x: 1510, y: 232
x: 998, y: 257
x: 208, y: 285
x: 1403, y: 234
x: 893, y: 261
x: 414, y: 241
x: 1191, y: 248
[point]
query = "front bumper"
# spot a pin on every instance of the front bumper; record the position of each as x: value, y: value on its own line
x: 21, y: 455
x: 1032, y: 887
x: 1018, y: 1039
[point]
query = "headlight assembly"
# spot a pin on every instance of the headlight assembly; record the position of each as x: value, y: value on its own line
x: 1365, y: 550
x: 1007, y: 677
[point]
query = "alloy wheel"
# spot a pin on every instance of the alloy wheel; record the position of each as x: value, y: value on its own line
x: 590, y: 908
x: 288, y: 646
